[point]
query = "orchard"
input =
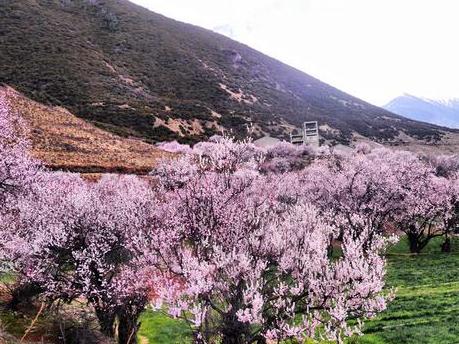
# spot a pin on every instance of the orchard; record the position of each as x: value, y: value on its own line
x: 247, y: 245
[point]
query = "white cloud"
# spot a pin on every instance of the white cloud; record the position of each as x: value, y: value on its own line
x: 373, y: 49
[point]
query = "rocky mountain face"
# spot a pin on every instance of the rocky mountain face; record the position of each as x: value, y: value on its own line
x: 139, y: 74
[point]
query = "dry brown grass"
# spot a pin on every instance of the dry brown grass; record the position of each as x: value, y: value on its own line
x: 64, y: 141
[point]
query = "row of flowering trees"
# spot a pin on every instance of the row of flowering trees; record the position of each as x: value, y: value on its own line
x: 390, y: 191
x: 417, y: 195
x: 246, y: 245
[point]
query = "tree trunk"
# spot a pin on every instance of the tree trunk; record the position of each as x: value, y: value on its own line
x: 106, y: 322
x: 234, y: 331
x: 127, y: 328
x: 23, y: 293
x: 414, y: 243
x: 261, y: 340
x: 234, y: 338
x: 330, y: 247
x: 446, y: 246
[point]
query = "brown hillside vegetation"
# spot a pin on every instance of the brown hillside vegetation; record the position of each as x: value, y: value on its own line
x: 66, y: 142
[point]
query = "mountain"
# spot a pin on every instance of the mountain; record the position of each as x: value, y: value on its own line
x: 139, y: 74
x: 441, y: 112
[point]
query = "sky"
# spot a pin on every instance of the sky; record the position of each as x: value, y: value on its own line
x: 373, y: 49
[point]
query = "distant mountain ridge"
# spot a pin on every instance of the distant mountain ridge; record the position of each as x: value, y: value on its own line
x: 139, y: 74
x: 444, y: 112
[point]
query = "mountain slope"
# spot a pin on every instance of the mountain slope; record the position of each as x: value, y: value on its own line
x: 63, y: 141
x: 440, y: 112
x: 137, y: 73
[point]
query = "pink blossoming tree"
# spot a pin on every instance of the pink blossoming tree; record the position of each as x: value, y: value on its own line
x: 249, y: 258
x: 18, y: 170
x: 78, y: 239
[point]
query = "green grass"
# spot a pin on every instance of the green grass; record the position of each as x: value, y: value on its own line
x: 425, y: 310
x: 159, y: 328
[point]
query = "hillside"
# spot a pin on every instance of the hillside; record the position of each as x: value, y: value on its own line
x: 440, y: 112
x: 66, y: 142
x: 136, y: 73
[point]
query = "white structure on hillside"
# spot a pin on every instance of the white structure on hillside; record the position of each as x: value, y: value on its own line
x: 308, y: 136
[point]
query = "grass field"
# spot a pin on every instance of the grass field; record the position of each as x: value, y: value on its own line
x: 426, y: 308
x: 159, y: 328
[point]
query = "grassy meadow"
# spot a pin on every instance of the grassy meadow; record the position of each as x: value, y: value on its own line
x: 425, y: 310
x: 426, y: 307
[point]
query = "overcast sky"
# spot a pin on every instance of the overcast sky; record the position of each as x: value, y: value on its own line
x: 373, y: 49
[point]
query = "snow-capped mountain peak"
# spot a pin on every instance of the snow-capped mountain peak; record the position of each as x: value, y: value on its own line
x: 443, y: 111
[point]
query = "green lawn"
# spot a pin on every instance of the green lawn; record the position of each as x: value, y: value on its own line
x: 426, y: 308
x: 157, y: 327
